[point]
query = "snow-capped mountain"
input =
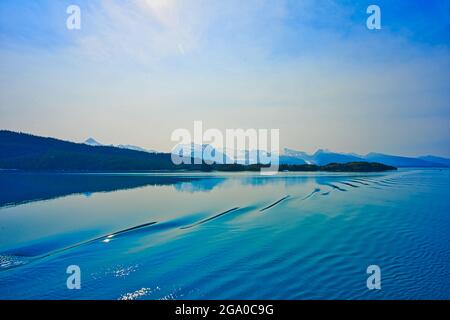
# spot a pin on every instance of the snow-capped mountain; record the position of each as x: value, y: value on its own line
x: 294, y: 154
x: 95, y: 143
x: 92, y: 142
x: 246, y: 157
x: 206, y: 152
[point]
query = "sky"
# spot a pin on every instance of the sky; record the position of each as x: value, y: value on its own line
x: 139, y: 69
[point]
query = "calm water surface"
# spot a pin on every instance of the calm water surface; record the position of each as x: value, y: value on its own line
x: 225, y: 236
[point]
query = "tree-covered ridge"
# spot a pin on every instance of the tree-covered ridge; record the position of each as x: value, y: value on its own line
x: 28, y: 152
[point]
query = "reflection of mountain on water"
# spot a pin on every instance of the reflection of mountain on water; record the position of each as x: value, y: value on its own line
x: 286, y: 180
x: 206, y: 184
x: 17, y: 188
x: 20, y: 187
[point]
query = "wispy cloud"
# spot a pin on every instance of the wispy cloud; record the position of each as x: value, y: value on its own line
x: 138, y: 69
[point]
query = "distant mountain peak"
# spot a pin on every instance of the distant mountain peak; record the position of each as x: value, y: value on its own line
x: 92, y: 142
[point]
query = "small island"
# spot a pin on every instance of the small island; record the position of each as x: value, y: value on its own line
x: 345, y: 167
x: 332, y: 167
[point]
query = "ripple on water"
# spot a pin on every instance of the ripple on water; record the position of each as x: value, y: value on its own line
x: 10, y: 261
x: 297, y: 249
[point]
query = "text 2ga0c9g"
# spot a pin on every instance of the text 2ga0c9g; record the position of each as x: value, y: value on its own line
x: 255, y: 309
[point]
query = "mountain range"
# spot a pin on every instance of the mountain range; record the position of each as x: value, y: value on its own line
x: 29, y: 152
x: 322, y: 157
x: 294, y: 157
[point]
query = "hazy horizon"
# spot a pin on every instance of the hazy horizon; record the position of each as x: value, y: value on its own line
x: 124, y: 144
x: 138, y: 70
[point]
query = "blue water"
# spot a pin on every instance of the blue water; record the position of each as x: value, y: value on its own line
x: 225, y: 236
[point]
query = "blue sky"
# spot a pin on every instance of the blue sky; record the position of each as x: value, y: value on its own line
x: 137, y: 70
